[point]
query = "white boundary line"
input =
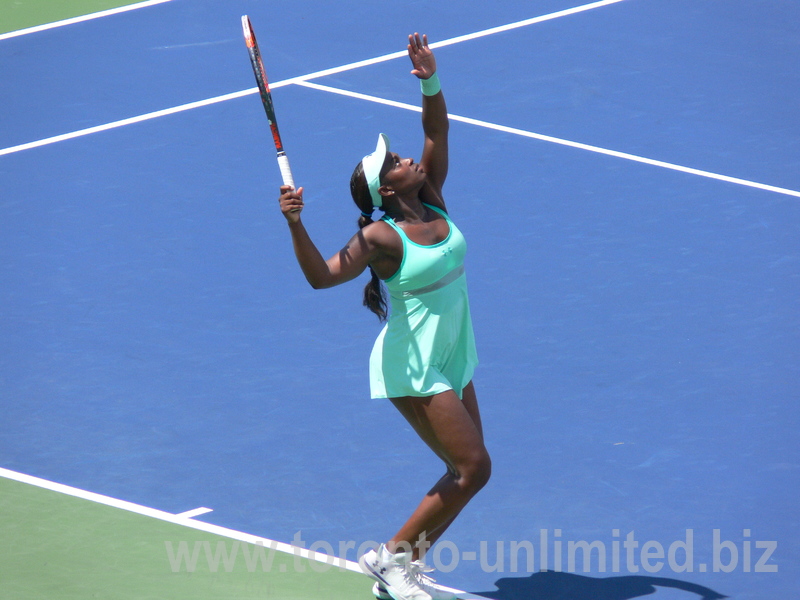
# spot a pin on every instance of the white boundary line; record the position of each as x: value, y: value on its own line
x: 303, y: 80
x: 315, y: 75
x: 129, y: 121
x: 180, y: 519
x: 455, y: 40
x: 185, y: 520
x: 560, y: 141
x: 191, y: 514
x: 81, y: 19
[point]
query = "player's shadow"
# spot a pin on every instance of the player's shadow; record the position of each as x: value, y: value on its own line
x: 552, y: 585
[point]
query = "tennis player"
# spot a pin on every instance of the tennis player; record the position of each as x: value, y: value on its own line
x: 423, y: 360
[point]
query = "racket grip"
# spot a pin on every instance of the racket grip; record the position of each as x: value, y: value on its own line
x: 286, y: 171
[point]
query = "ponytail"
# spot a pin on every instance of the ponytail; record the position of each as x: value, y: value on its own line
x: 374, y: 292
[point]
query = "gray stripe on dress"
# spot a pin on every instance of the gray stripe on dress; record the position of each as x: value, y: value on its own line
x: 436, y: 285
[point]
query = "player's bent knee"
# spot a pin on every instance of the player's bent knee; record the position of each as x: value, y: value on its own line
x: 476, y: 475
x: 485, y: 470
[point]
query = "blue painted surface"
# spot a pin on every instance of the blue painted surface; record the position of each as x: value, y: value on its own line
x: 637, y: 327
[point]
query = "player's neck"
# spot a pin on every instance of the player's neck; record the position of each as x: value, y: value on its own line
x: 409, y: 209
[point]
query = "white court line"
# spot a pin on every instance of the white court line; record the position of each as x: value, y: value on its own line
x: 455, y: 40
x: 182, y: 519
x: 176, y: 519
x: 81, y: 19
x: 191, y: 514
x: 129, y: 121
x: 356, y: 65
x: 304, y: 80
x: 560, y: 141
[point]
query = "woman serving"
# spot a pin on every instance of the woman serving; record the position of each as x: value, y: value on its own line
x: 424, y: 358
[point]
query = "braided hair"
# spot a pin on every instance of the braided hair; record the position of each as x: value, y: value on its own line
x: 374, y: 292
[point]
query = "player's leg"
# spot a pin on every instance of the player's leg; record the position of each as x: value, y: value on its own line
x: 470, y: 401
x: 452, y: 429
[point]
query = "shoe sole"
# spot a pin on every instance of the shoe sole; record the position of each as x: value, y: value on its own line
x: 367, y: 568
x: 380, y: 592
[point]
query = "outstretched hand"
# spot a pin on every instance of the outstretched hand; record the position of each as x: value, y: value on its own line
x: 421, y: 56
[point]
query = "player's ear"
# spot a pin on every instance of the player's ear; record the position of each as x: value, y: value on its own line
x: 386, y: 190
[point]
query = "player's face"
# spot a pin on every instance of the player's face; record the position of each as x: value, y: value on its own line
x: 403, y: 174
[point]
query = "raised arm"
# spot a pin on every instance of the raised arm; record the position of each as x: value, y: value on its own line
x: 435, y: 124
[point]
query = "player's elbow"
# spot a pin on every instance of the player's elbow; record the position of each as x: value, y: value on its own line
x: 318, y: 284
x: 318, y: 277
x: 322, y: 281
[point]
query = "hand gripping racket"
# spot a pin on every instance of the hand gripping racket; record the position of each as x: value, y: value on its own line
x: 266, y: 98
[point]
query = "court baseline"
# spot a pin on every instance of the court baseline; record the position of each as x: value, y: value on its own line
x: 179, y: 519
x: 186, y: 519
x: 80, y: 19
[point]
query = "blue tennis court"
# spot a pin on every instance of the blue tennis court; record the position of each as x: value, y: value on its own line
x: 627, y: 176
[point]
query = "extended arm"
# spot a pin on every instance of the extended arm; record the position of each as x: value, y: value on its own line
x: 435, y: 124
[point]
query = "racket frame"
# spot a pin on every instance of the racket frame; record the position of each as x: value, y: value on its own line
x: 266, y: 98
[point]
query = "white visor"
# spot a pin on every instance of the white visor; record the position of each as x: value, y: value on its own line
x: 372, y: 164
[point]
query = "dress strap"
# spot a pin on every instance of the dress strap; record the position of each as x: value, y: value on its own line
x: 395, y: 226
x: 438, y: 210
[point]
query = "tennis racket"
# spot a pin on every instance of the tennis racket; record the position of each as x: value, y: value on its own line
x: 266, y: 98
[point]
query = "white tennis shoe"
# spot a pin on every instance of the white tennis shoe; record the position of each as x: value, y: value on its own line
x: 427, y: 582
x: 400, y: 577
x: 380, y: 592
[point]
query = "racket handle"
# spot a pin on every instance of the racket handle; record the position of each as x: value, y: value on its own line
x: 286, y: 171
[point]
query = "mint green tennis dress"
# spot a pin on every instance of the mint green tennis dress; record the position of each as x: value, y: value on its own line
x: 427, y: 345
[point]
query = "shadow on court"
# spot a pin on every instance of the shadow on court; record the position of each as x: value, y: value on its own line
x: 551, y: 585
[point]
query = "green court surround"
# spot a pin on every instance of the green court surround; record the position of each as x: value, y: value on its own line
x: 21, y: 14
x: 59, y: 546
